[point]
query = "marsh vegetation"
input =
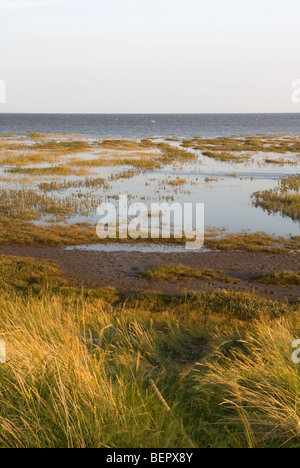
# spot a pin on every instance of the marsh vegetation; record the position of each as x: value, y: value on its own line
x: 284, y: 199
x: 176, y: 272
x: 280, y: 277
x: 188, y: 371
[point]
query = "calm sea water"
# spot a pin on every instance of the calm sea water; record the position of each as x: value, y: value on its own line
x: 160, y: 125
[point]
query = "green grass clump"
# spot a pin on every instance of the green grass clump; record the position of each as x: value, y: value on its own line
x: 16, y: 232
x: 174, y: 272
x: 21, y: 273
x: 37, y: 277
x: 285, y: 199
x: 281, y: 277
x: 13, y: 231
x: 226, y: 303
x: 251, y: 242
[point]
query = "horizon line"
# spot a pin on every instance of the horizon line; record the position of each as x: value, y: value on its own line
x: 149, y: 113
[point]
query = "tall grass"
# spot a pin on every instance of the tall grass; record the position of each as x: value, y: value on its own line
x: 151, y: 372
x: 81, y: 376
x: 257, y: 385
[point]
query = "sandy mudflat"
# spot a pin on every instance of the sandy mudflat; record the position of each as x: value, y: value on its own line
x: 121, y: 269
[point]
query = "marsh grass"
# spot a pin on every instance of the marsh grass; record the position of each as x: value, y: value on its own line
x: 48, y: 171
x: 31, y: 205
x: 281, y: 162
x: 20, y: 232
x: 227, y: 157
x: 243, y: 149
x: 12, y: 230
x: 251, y: 242
x: 88, y: 182
x: 285, y: 199
x: 155, y: 371
x: 50, y: 146
x: 35, y: 278
x: 127, y: 145
x: 26, y: 159
x: 252, y: 144
x: 177, y: 182
x: 63, y: 147
x: 173, y: 272
x: 21, y: 273
x: 256, y: 385
x: 223, y: 302
x: 129, y: 174
x: 280, y: 277
x: 37, y: 149
x: 209, y: 180
x: 143, y: 163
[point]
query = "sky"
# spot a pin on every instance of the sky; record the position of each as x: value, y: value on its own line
x: 149, y: 56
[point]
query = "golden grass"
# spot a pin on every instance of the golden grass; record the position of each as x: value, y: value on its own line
x: 51, y: 146
x: 21, y: 273
x: 252, y: 144
x: 227, y: 157
x: 173, y: 272
x: 280, y: 277
x: 20, y: 232
x: 177, y: 182
x: 243, y: 149
x: 139, y: 163
x: 81, y: 374
x: 252, y: 242
x: 26, y: 159
x: 127, y: 145
x: 285, y: 199
x: 33, y: 277
x: 17, y: 232
x: 49, y: 171
x: 256, y: 385
x: 88, y: 182
x: 207, y: 369
x: 31, y: 205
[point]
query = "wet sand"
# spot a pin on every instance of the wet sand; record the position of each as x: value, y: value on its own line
x: 121, y: 269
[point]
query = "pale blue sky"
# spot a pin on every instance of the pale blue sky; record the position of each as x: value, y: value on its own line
x: 149, y: 55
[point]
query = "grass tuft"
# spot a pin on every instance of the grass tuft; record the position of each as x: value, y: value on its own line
x: 281, y: 277
x: 175, y: 272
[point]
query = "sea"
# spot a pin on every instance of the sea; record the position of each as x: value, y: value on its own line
x: 157, y: 125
